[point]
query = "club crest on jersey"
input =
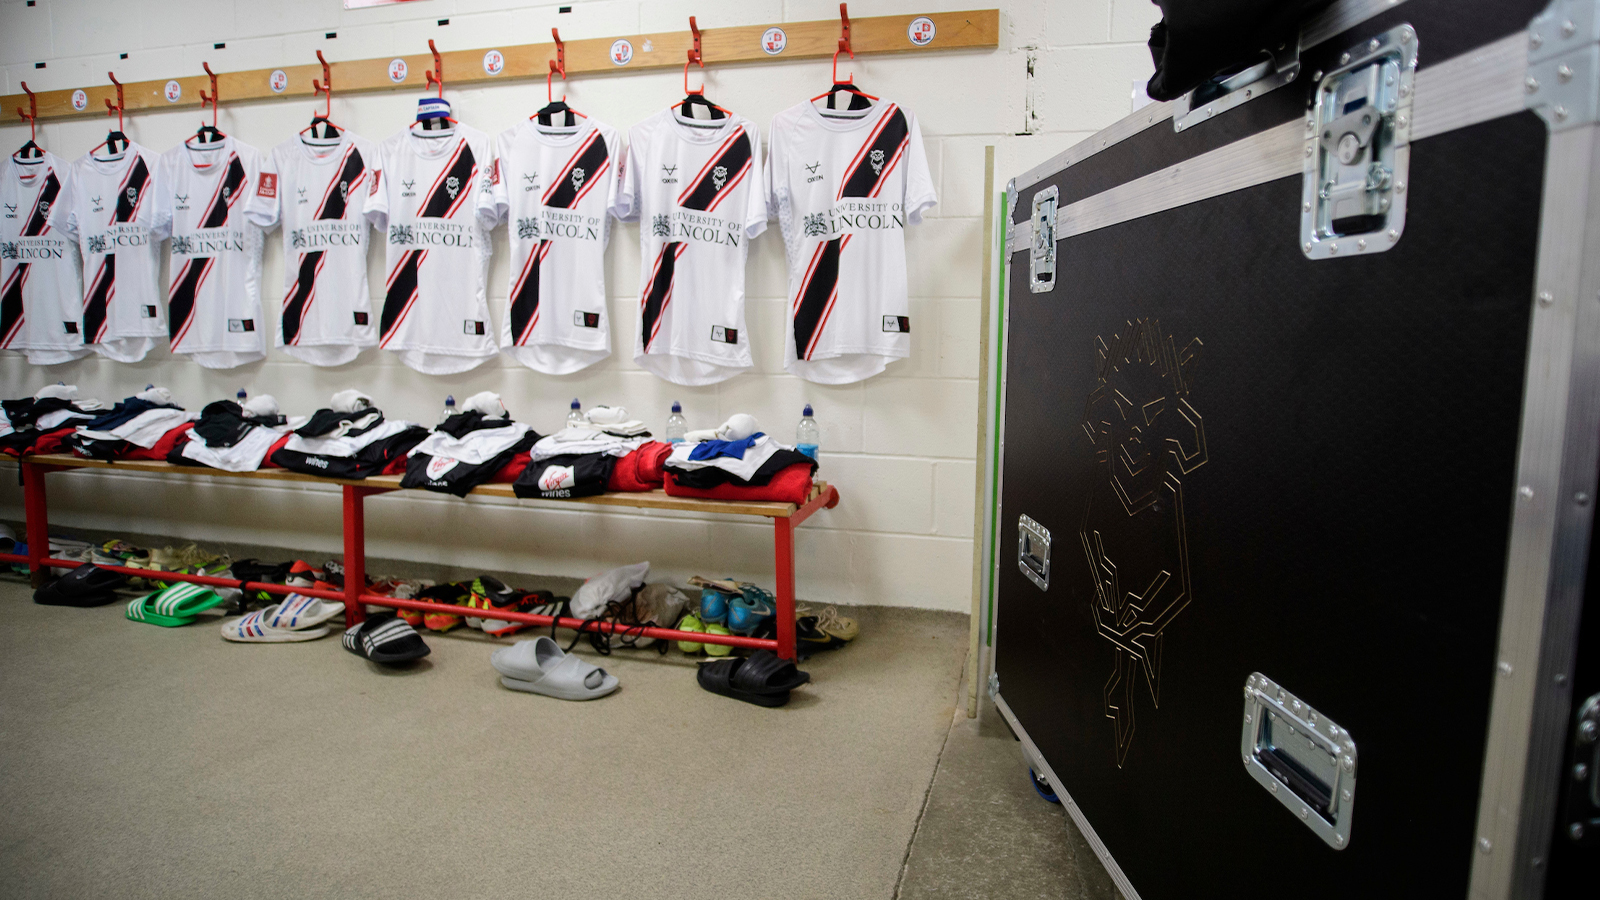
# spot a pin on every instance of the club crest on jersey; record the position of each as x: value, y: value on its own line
x: 44, y: 208
x: 577, y: 178
x: 876, y: 158
x: 719, y: 177
x: 344, y: 190
x: 452, y: 186
x: 133, y: 195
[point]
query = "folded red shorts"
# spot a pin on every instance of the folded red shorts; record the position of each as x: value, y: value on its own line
x: 640, y: 470
x: 791, y: 485
x: 162, y: 447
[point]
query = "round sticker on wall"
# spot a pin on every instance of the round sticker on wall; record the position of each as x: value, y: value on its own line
x: 921, y: 31
x: 494, y: 62
x: 397, y: 70
x: 278, y: 81
x: 80, y: 101
x: 621, y: 53
x: 173, y: 92
x: 773, y: 40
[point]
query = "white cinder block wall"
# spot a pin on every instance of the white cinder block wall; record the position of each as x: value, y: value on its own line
x: 900, y: 446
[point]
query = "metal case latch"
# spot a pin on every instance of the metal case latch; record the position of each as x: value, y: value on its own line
x: 1224, y: 92
x: 1042, y: 251
x: 1358, y: 149
x: 1301, y: 757
x: 1581, y: 819
x: 1033, y: 551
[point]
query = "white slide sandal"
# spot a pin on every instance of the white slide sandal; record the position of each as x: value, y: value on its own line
x: 294, y: 620
x: 540, y: 667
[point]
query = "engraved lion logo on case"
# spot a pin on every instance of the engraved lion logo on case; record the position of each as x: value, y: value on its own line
x: 1147, y: 436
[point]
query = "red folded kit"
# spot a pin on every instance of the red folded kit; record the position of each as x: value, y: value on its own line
x: 792, y: 484
x: 640, y: 470
x: 509, y: 472
x: 266, y: 461
x: 53, y: 441
x: 162, y: 447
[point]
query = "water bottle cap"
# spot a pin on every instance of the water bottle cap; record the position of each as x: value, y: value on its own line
x: 677, y: 407
x: 576, y: 404
x: 450, y: 400
x: 241, y: 394
x: 807, y: 411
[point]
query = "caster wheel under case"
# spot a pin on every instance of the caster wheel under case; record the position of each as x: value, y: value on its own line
x: 1042, y: 787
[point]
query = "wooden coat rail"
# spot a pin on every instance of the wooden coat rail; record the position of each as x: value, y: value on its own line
x: 818, y: 39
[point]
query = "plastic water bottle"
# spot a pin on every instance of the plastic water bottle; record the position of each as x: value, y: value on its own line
x: 449, y: 408
x: 808, y: 435
x: 677, y: 425
x: 576, y: 418
x: 241, y: 396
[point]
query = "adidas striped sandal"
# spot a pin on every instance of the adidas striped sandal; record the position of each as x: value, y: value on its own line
x: 297, y: 618
x: 173, y: 606
x: 385, y: 639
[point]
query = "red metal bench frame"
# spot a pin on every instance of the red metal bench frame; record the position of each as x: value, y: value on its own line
x: 785, y: 518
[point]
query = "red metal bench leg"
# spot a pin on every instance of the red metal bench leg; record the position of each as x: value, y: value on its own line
x: 355, y: 553
x: 783, y: 548
x: 38, y: 523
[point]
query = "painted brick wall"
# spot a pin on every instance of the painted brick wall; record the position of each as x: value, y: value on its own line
x: 900, y: 446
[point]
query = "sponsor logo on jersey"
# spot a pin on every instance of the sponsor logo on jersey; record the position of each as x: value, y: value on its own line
x: 302, y: 193
x: 669, y: 174
x: 430, y: 233
x: 439, y: 465
x: 897, y: 324
x: 812, y: 174
x: 241, y: 325
x: 207, y: 243
x: 11, y: 210
x: 267, y: 185
x: 317, y: 461
x: 96, y: 202
x: 851, y: 216
x: 585, y: 319
x: 724, y: 335
x: 321, y: 235
x: 555, y: 478
x: 681, y: 225
x: 180, y: 201
x: 473, y: 326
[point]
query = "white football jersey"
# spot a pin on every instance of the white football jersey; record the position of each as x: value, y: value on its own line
x: 108, y: 207
x: 41, y: 301
x: 555, y: 186
x: 314, y: 188
x: 845, y: 183
x: 435, y: 308
x: 214, y: 301
x: 695, y: 186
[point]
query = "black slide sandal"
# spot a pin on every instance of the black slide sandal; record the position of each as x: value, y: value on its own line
x: 763, y: 679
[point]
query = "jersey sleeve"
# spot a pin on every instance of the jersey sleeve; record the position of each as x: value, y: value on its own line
x: 920, y: 194
x: 263, y: 206
x: 625, y: 205
x: 161, y: 212
x: 777, y: 169
x: 755, y: 206
x: 493, y: 202
x: 377, y: 203
x: 64, y: 214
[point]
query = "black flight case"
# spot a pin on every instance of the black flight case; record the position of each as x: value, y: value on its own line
x: 1301, y: 398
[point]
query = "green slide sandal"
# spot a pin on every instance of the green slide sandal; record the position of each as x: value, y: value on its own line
x: 173, y: 606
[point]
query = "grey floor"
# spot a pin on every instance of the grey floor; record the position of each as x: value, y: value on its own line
x: 138, y: 761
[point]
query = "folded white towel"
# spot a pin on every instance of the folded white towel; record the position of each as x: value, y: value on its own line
x: 608, y: 415
x: 738, y: 427
x: 488, y: 403
x: 349, y: 401
x: 57, y: 391
x: 261, y: 405
x: 155, y: 395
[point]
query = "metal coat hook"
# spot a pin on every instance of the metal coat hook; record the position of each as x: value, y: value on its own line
x: 32, y: 115
x: 118, y: 108
x: 844, y: 44
x: 325, y: 86
x: 212, y: 99
x: 695, y: 58
x: 558, y: 66
x: 437, y: 75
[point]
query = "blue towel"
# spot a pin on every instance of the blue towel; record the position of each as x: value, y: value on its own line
x: 714, y: 449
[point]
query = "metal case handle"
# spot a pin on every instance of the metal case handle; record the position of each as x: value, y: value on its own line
x: 1301, y: 757
x: 1033, y: 551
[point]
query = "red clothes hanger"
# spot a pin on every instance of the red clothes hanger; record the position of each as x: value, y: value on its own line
x: 558, y: 66
x: 847, y: 83
x: 208, y: 133
x: 324, y: 88
x: 32, y: 115
x: 113, y: 137
x: 697, y: 97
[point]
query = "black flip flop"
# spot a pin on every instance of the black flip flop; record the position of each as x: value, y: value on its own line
x: 85, y: 586
x: 385, y: 639
x: 762, y: 679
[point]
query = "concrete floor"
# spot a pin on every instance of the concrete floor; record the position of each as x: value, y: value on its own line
x: 138, y: 761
